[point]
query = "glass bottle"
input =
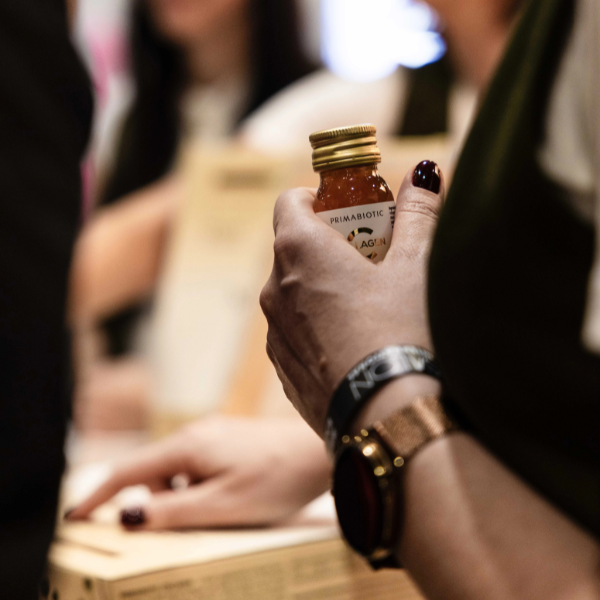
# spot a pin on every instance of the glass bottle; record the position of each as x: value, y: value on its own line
x: 347, y: 159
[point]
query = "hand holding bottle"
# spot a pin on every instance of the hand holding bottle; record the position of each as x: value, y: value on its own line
x: 328, y: 307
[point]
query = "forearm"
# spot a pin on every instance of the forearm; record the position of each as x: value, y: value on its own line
x: 119, y: 253
x: 475, y: 530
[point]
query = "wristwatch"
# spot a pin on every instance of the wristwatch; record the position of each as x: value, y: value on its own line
x: 368, y: 376
x: 367, y: 479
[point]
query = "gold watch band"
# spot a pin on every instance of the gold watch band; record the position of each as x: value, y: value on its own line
x: 410, y: 428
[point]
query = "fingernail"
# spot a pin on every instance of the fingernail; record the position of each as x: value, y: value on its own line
x: 67, y: 514
x: 427, y: 176
x: 133, y: 517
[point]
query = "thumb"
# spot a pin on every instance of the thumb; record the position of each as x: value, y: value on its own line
x: 418, y: 207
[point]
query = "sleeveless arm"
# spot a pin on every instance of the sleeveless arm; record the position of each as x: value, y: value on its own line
x: 473, y: 529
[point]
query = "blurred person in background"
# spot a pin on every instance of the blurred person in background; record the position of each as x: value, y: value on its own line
x: 210, y: 71
x: 230, y: 461
x: 200, y: 68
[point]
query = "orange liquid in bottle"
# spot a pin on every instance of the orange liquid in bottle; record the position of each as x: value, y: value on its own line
x: 351, y: 186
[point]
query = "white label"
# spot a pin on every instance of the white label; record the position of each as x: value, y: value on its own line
x: 368, y: 227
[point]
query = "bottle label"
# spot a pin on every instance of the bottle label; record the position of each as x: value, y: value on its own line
x: 368, y: 227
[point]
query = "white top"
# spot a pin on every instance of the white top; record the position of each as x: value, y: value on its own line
x: 323, y: 101
x: 210, y: 113
x: 571, y: 151
x: 320, y: 100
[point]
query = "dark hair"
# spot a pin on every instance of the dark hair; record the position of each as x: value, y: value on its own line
x: 150, y: 134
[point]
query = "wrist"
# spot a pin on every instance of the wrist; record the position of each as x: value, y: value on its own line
x: 369, y: 474
x: 394, y: 396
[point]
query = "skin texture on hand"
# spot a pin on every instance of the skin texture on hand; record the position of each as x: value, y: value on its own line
x: 328, y: 306
x: 240, y: 472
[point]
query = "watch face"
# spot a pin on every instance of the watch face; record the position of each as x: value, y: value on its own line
x: 358, y: 501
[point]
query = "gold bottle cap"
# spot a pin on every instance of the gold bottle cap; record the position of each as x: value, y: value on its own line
x: 344, y: 147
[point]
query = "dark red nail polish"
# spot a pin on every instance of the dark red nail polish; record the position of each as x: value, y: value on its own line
x: 427, y: 176
x: 133, y: 517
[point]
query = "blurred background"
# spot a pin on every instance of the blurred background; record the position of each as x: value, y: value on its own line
x: 356, y: 40
x: 203, y: 111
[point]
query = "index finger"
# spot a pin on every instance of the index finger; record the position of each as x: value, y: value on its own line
x: 299, y: 232
x: 162, y: 460
x: 293, y: 205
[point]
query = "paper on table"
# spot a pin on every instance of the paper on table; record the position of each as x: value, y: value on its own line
x: 112, y: 552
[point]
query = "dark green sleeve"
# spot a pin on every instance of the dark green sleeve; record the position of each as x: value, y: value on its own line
x: 508, y: 283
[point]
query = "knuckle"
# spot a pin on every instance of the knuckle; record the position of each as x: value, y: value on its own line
x: 286, y: 247
x: 283, y: 205
x: 270, y: 352
x: 289, y: 283
x: 271, y: 345
x: 266, y: 299
x: 292, y: 245
x: 283, y: 200
x: 425, y: 206
x: 415, y: 251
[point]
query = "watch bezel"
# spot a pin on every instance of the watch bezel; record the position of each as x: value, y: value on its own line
x: 370, y: 448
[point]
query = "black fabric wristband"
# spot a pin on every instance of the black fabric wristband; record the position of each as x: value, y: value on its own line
x: 366, y: 378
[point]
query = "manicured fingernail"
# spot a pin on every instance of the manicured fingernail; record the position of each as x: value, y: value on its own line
x: 67, y: 514
x: 133, y: 517
x: 427, y: 176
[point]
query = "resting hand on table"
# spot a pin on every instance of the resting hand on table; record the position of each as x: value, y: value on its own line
x: 240, y: 471
x: 328, y: 307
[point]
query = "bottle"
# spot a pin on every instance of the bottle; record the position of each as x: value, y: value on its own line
x: 353, y: 197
